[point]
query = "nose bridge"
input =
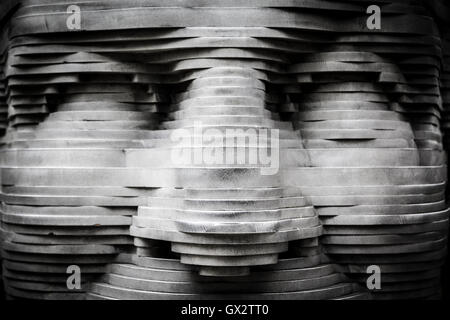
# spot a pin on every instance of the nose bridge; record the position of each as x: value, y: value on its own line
x: 224, y: 92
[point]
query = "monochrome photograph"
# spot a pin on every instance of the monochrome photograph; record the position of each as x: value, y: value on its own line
x: 224, y: 150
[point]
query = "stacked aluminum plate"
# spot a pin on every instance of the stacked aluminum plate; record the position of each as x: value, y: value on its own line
x: 116, y: 155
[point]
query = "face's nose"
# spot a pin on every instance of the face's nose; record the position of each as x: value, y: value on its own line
x: 224, y: 124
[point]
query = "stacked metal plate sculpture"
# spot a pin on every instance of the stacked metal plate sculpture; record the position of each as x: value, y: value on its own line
x: 225, y: 149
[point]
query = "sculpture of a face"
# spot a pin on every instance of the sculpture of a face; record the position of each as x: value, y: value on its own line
x: 223, y: 149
